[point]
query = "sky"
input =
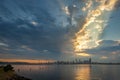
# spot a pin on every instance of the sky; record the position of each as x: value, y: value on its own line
x: 60, y: 30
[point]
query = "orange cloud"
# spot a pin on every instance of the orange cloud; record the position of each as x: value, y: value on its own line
x: 84, y: 54
x: 88, y: 36
x: 26, y: 60
x: 104, y: 57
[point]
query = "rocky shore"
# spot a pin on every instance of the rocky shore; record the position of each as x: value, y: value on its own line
x: 7, y: 73
x: 17, y: 77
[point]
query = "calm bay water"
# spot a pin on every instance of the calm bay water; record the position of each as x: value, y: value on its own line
x: 69, y: 72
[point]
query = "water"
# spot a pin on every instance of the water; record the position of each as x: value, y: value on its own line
x: 69, y: 72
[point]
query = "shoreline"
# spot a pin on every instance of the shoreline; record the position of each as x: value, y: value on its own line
x: 8, y: 73
x: 62, y: 64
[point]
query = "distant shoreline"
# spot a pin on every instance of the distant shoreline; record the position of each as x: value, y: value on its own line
x: 21, y: 63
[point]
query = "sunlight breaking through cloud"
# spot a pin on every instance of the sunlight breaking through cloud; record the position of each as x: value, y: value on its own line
x: 95, y: 22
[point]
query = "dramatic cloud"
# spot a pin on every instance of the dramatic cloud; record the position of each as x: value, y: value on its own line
x: 92, y: 29
x: 33, y: 29
x: 59, y: 29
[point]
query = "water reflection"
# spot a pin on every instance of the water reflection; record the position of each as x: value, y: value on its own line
x: 83, y: 73
x: 69, y: 72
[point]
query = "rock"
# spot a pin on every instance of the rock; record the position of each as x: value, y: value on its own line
x: 9, y: 73
x: 17, y: 77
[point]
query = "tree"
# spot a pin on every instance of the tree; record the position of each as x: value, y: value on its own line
x: 8, y: 68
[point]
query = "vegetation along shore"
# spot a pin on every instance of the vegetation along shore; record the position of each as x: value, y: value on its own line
x: 7, y: 73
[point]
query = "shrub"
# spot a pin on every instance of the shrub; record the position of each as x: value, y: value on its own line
x: 8, y: 68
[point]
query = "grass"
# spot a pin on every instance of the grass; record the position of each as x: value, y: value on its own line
x: 6, y: 75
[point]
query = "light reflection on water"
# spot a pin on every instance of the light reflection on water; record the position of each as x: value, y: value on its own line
x: 82, y: 73
x: 69, y: 72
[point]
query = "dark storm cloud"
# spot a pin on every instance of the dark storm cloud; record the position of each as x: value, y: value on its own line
x: 117, y: 4
x: 40, y: 38
x: 31, y: 28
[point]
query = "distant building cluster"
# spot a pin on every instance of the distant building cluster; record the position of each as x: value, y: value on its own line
x: 76, y: 61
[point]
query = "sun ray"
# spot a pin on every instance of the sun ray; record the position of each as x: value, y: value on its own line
x: 95, y: 22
